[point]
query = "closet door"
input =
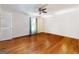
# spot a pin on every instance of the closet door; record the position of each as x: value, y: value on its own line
x: 5, y: 26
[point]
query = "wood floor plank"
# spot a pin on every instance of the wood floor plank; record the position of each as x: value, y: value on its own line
x: 42, y: 43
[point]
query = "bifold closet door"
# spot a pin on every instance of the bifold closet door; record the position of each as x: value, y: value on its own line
x: 5, y: 26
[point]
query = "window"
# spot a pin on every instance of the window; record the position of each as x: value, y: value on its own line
x: 33, y: 25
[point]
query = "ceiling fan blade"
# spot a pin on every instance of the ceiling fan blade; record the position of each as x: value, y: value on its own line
x: 44, y: 9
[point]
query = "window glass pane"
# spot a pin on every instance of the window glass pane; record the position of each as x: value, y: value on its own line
x: 33, y: 25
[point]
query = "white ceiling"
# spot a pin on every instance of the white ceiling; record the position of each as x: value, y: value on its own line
x: 26, y: 8
x: 51, y: 8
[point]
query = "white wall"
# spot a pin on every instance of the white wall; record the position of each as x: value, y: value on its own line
x: 14, y: 24
x: 40, y: 24
x: 66, y: 24
x: 20, y: 24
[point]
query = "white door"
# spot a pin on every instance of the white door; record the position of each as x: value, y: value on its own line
x: 5, y: 26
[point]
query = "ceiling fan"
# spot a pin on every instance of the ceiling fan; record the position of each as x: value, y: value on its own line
x: 42, y: 10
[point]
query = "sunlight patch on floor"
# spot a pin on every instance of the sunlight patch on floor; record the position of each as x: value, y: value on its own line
x: 64, y: 48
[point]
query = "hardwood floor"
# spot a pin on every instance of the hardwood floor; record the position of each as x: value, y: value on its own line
x: 42, y: 43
